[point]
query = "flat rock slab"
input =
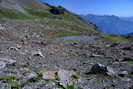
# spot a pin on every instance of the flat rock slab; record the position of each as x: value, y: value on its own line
x: 5, y: 61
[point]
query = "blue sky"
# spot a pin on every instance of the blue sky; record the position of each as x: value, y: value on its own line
x: 100, y: 7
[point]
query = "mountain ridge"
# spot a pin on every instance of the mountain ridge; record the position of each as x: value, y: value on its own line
x: 111, y: 24
x: 130, y: 18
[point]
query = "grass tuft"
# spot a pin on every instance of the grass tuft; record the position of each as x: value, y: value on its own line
x: 130, y: 62
x: 115, y: 38
x: 8, y: 78
x: 13, y: 15
x: 76, y: 76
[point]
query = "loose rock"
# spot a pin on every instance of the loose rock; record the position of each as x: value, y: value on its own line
x: 38, y: 53
x: 65, y: 77
x: 50, y: 75
x: 5, y: 61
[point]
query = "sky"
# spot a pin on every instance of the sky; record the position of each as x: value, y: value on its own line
x: 100, y: 7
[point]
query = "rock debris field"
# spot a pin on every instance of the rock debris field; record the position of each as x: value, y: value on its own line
x: 58, y: 63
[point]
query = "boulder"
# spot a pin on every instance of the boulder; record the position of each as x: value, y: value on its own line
x: 56, y: 11
x: 98, y: 69
x: 102, y: 69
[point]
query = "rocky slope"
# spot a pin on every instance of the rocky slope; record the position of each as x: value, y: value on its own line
x: 19, y: 5
x: 52, y: 64
x: 43, y: 19
x: 33, y: 54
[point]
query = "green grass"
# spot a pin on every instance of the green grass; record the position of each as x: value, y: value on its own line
x: 80, y: 23
x: 63, y: 35
x: 115, y: 38
x: 130, y: 62
x: 8, y: 78
x: 13, y: 15
x: 34, y: 12
x: 14, y: 85
x: 76, y: 76
x: 11, y: 81
x: 38, y: 14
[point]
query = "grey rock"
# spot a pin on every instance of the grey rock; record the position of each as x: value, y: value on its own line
x: 127, y: 59
x: 122, y: 73
x: 2, y: 27
x: 65, y: 77
x: 6, y: 61
x: 31, y: 75
x: 38, y: 53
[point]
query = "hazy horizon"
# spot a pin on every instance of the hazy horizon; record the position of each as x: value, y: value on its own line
x: 121, y: 8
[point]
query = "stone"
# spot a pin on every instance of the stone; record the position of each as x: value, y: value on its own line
x: 127, y: 48
x: 95, y: 55
x: 6, y: 61
x: 122, y: 73
x: 49, y: 75
x: 127, y: 59
x: 2, y: 27
x: 111, y: 71
x: 19, y: 46
x: 38, y: 53
x: 65, y: 77
x: 13, y: 48
x: 114, y: 45
x: 2, y: 64
x: 32, y: 75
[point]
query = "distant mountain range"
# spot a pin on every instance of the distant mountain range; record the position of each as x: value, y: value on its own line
x: 127, y: 18
x: 111, y: 24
